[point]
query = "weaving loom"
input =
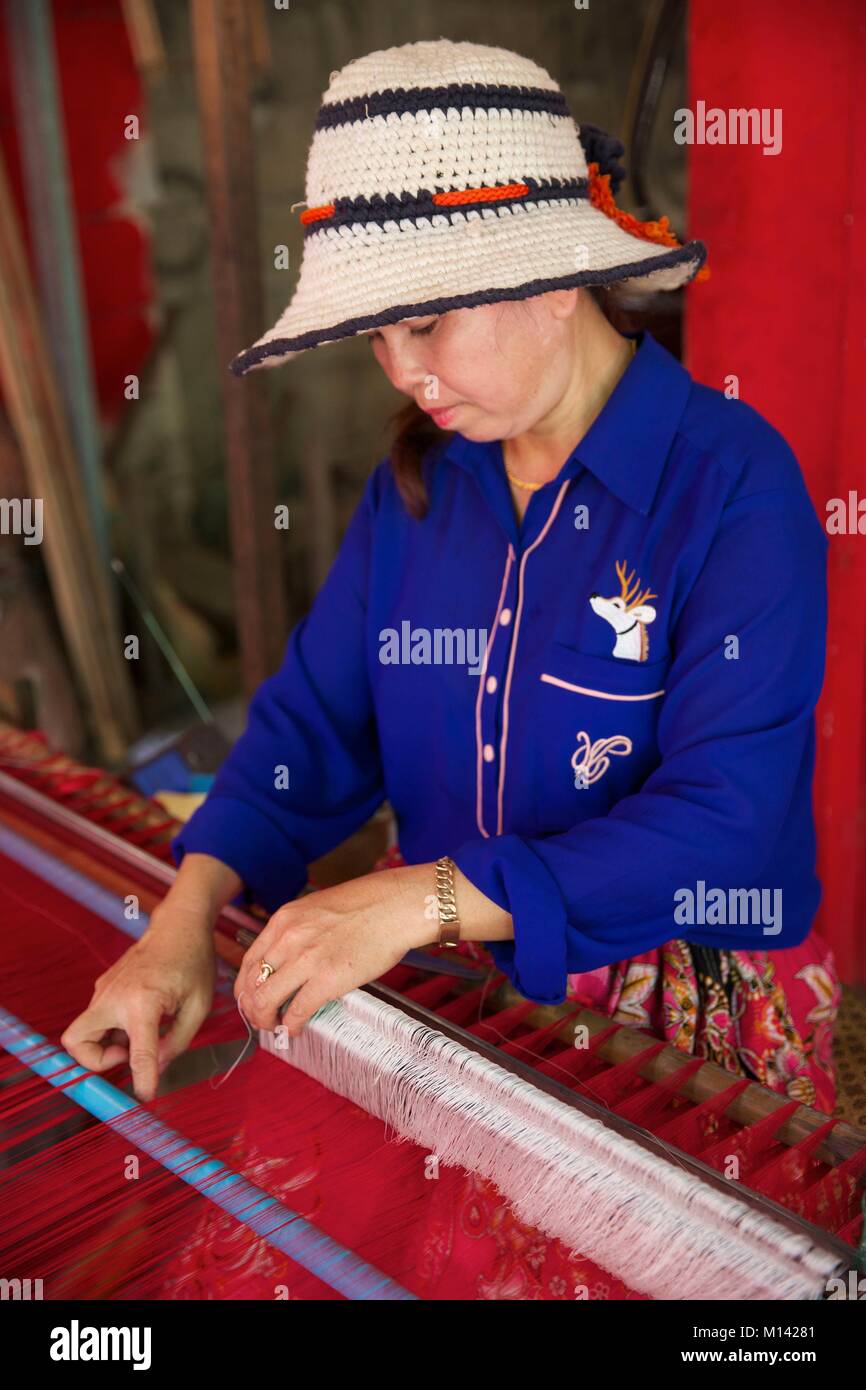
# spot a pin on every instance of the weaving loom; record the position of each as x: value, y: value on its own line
x: 612, y: 1147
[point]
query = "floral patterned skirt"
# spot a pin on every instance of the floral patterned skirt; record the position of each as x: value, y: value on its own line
x: 768, y: 1015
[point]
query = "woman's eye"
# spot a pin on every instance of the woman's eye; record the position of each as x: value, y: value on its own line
x: 414, y: 332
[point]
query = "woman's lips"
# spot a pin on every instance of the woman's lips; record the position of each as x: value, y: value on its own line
x: 442, y: 417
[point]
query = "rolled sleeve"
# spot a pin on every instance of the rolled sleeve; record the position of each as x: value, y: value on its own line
x: 507, y: 870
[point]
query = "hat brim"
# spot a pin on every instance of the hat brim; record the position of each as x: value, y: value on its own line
x: 356, y: 279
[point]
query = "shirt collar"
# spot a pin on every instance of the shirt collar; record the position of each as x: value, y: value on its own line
x: 628, y: 442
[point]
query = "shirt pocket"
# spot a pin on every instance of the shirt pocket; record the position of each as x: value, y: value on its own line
x: 604, y: 678
x: 597, y: 720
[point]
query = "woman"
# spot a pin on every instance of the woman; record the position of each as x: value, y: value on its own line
x: 574, y: 634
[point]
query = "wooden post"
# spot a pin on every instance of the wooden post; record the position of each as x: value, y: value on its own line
x: 221, y: 40
x: 145, y: 39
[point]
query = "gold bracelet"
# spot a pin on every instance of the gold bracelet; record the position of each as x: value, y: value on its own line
x: 449, y: 922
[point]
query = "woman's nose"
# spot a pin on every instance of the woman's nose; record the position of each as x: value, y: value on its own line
x: 405, y: 371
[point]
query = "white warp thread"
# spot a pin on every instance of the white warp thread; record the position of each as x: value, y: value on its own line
x: 660, y: 1228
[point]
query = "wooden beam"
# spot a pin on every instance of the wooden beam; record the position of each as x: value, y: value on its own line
x: 221, y: 41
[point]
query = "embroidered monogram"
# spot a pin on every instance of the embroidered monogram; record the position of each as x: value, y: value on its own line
x: 591, y: 761
x: 628, y: 614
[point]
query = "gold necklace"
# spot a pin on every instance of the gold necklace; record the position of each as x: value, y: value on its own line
x: 518, y: 482
x: 533, y: 487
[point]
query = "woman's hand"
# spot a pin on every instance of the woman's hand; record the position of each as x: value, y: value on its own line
x: 167, y: 975
x: 329, y: 942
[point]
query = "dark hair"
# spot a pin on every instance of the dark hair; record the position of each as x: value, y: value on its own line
x: 413, y: 433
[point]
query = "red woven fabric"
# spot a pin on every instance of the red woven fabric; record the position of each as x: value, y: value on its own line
x: 440, y: 1232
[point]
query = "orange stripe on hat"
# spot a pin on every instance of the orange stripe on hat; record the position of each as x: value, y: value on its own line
x: 481, y: 195
x: 318, y: 214
x: 453, y: 199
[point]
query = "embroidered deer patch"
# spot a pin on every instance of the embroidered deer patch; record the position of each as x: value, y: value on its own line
x: 592, y: 760
x: 628, y: 614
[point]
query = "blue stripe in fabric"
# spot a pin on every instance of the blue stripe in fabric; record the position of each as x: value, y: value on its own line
x: 338, y: 1267
x: 72, y: 882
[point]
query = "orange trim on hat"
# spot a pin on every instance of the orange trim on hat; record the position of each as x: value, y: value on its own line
x: 602, y: 198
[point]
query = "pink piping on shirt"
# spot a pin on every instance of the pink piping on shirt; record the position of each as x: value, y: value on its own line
x: 525, y: 556
x: 479, y: 806
x: 599, y: 694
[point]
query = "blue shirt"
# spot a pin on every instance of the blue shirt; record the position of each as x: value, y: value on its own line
x: 636, y: 754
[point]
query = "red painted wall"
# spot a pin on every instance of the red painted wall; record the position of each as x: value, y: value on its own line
x: 785, y: 311
x: 99, y: 88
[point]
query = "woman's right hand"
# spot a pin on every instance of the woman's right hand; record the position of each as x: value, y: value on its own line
x: 166, y: 976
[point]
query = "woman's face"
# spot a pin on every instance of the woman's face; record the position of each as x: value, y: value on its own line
x: 491, y: 372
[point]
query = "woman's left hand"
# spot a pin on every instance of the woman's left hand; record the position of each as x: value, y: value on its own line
x: 328, y: 942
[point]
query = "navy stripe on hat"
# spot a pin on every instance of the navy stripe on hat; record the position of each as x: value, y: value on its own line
x: 459, y: 95
x: 392, y: 207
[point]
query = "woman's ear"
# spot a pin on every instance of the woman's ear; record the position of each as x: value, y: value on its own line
x: 562, y: 303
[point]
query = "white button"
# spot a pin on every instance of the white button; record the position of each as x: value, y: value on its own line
x: 491, y: 684
x: 489, y: 754
x: 505, y: 617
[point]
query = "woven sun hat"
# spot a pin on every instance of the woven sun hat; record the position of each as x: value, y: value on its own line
x: 448, y: 175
